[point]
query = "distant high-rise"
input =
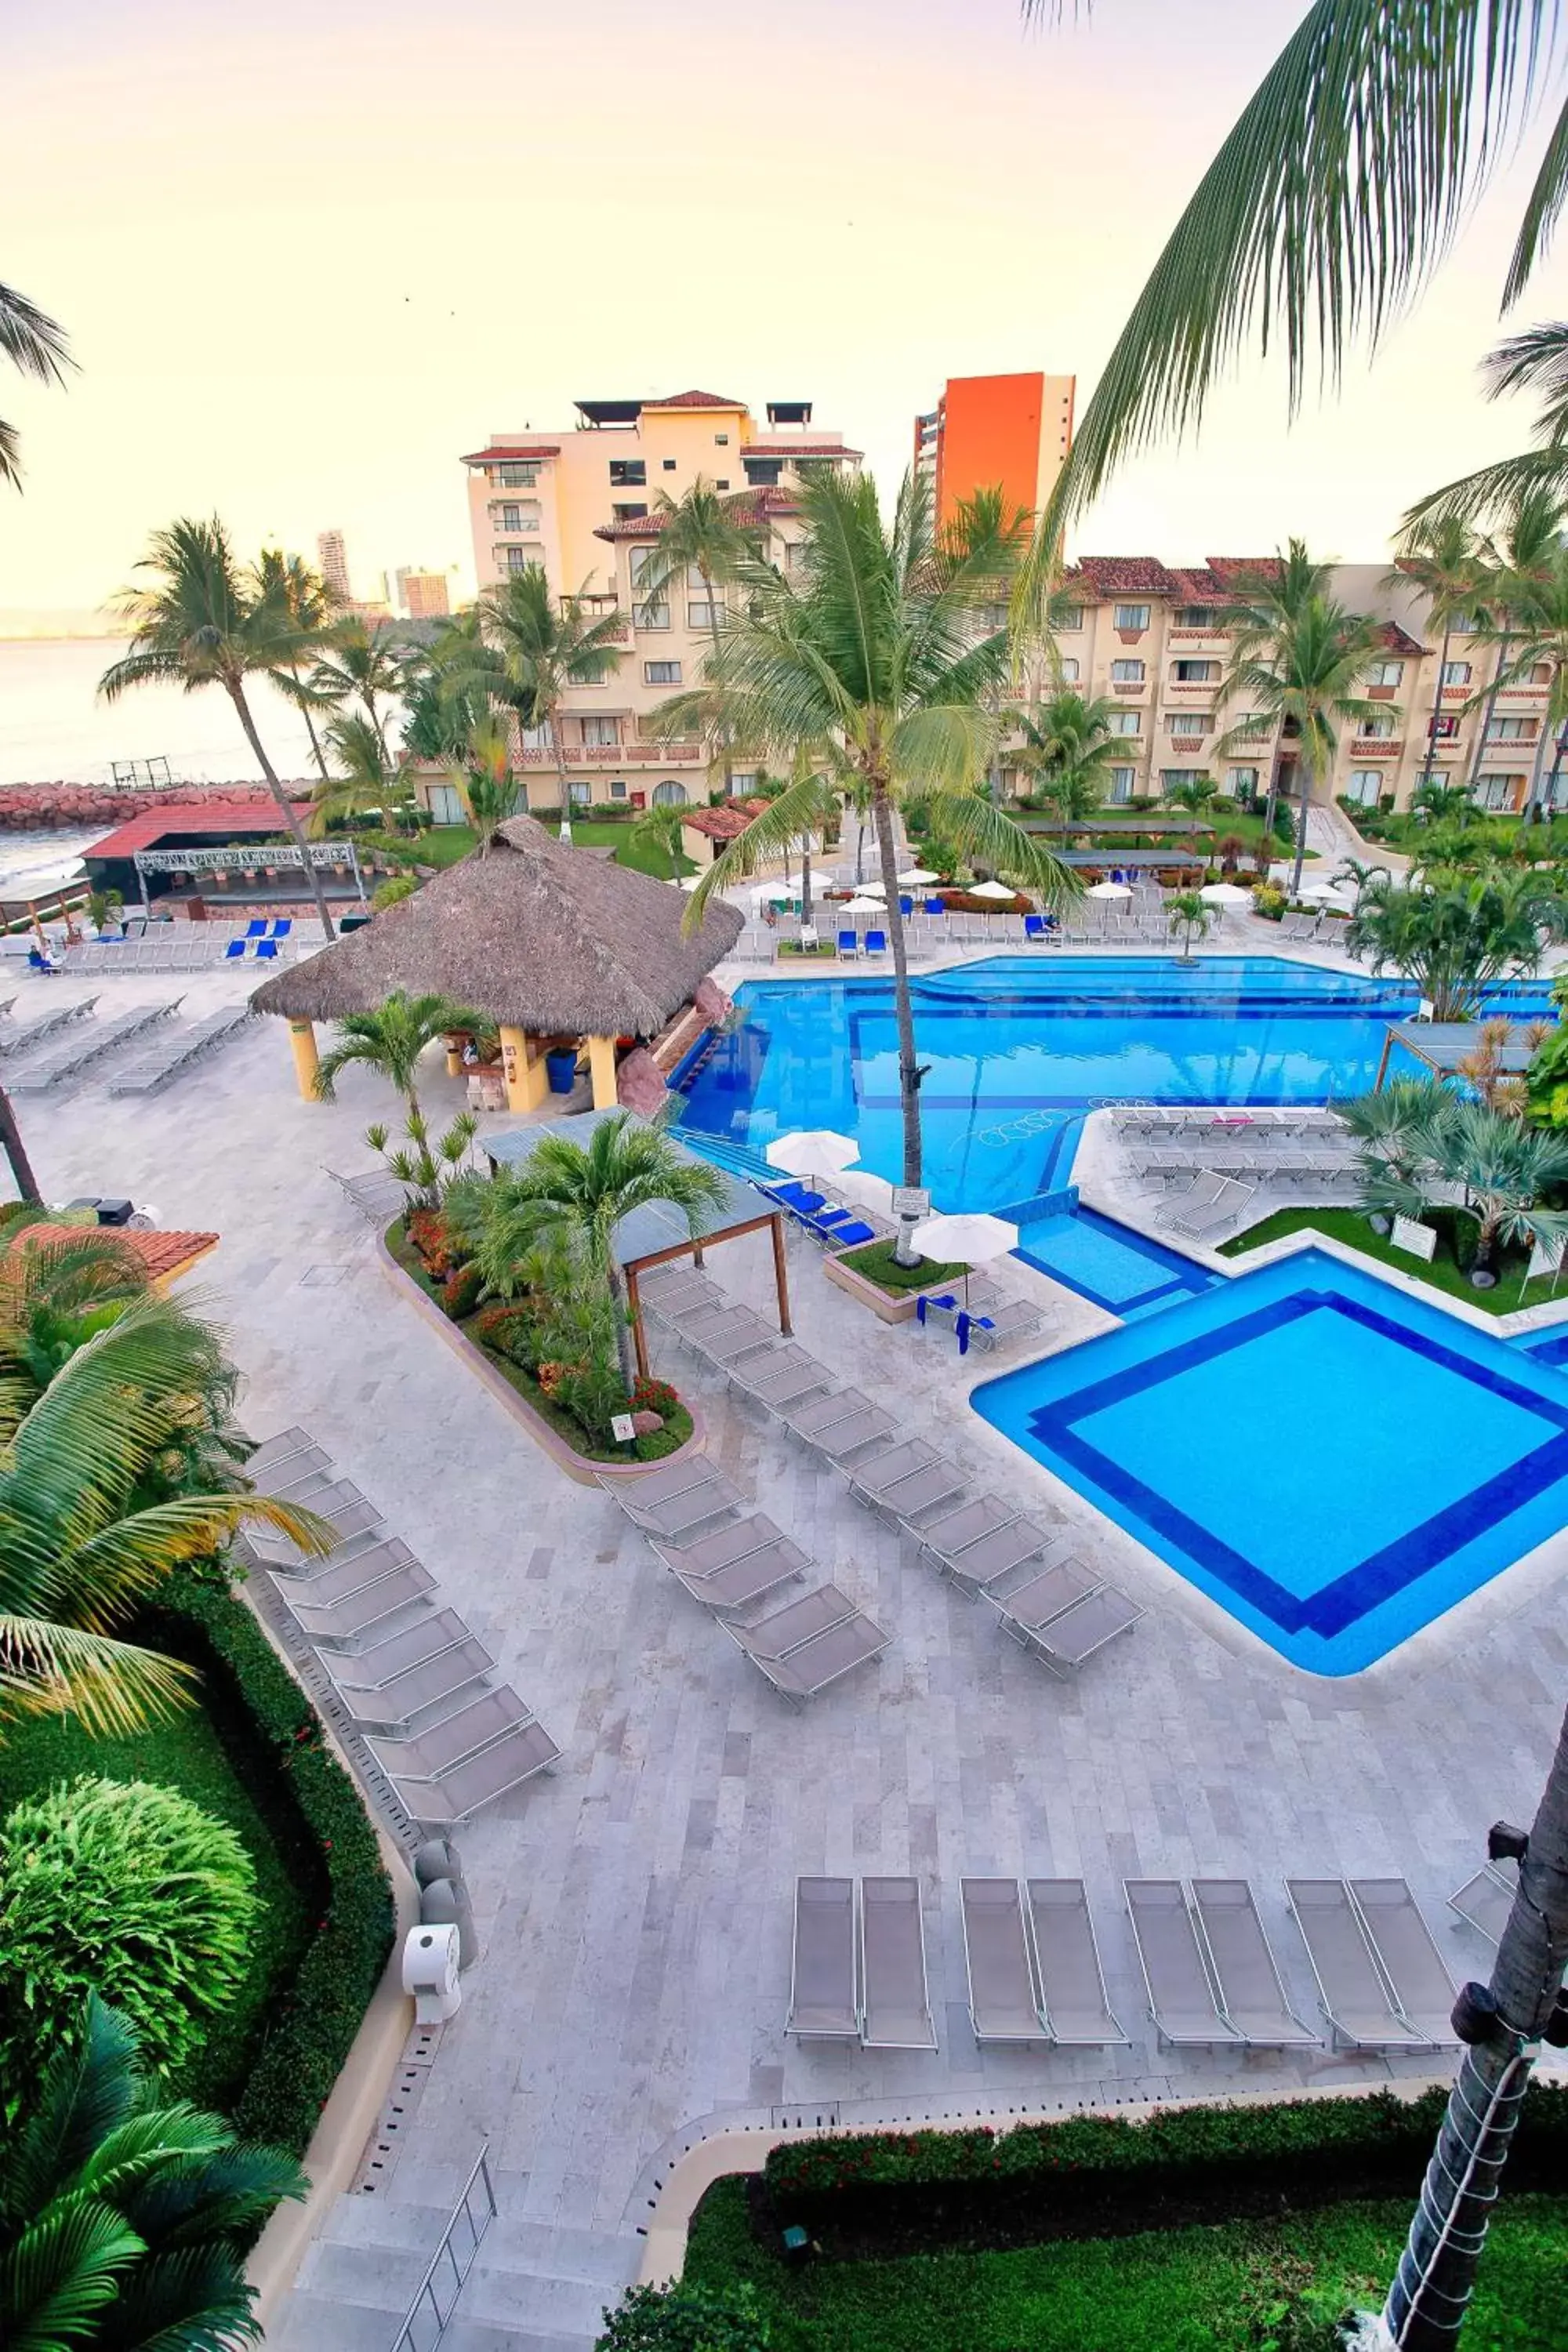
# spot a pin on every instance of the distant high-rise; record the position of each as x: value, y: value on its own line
x: 1011, y: 432
x: 332, y: 557
x: 422, y: 595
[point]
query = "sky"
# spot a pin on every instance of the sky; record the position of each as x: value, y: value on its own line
x: 308, y: 256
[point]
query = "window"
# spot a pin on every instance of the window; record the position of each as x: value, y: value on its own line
x: 720, y: 441
x: 795, y: 555
x: 629, y: 514
x: 1195, y: 616
x: 1465, y: 625
x: 1070, y: 670
x: 619, y: 789
x: 639, y: 558
x: 1496, y: 792
x: 661, y: 673
x: 1456, y: 673
x: 742, y: 787
x: 763, y: 473
x: 1126, y: 722
x: 702, y: 614
x: 516, y: 559
x: 1196, y: 673
x: 1131, y: 616
x: 446, y: 804
x: 1378, y: 729
x: 1173, y: 779
x: 1386, y: 673
x: 1127, y: 673
x: 1122, y: 782
x: 651, y: 616
x: 669, y: 794
x: 578, y: 792
x: 535, y: 739
x: 1509, y: 731
x: 627, y: 473
x: 1364, y: 787
x: 1444, y: 729
x: 510, y: 519
x: 1069, y: 618
x: 517, y: 478
x: 1190, y: 722
x: 1241, y: 784
x: 668, y: 465
x: 723, y: 483
x: 1541, y: 673
x: 600, y: 731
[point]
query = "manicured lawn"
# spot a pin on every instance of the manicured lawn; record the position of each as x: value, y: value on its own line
x: 190, y: 1753
x: 442, y: 845
x: 645, y: 856
x: 876, y: 1262
x: 1511, y: 1293
x: 1230, y: 2288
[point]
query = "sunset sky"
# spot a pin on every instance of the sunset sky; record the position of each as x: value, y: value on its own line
x: 308, y: 256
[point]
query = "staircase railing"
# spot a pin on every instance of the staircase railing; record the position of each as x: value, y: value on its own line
x: 450, y: 2263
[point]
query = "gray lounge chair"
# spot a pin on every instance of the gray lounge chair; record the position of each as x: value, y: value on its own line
x: 456, y: 1737
x: 721, y: 1547
x: 312, y: 1465
x: 811, y: 1665
x: 999, y: 1326
x: 923, y: 1495
x: 322, y: 1583
x: 823, y: 1989
x: 781, y: 1376
x: 1183, y: 2000
x: 894, y: 2003
x: 1003, y: 2004
x: 1029, y: 1607
x: 272, y: 1451
x: 798, y: 1622
x: 762, y: 1570
x: 342, y: 1626
x: 1407, y: 1954
x: 1485, y: 1901
x: 1067, y: 1641
x: 1352, y: 1989
x: 1242, y: 1965
x: 708, y: 1497
x: 429, y: 1634
x: 87, y: 1043
x: 724, y: 1334
x: 685, y: 1293
x: 658, y: 1485
x: 444, y: 1798
x: 391, y: 1707
x: 955, y: 1530
x: 1196, y: 1219
x: 978, y: 1560
x: 847, y: 1441
x: 870, y: 1480
x: 349, y: 1511
x: 1067, y: 1963
x: 819, y: 1414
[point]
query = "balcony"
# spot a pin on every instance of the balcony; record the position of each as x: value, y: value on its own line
x: 1192, y: 690
x: 1200, y: 641
x: 617, y: 755
x: 1376, y: 747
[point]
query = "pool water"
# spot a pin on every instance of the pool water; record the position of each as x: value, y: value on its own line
x: 1333, y: 1461
x: 1127, y: 1272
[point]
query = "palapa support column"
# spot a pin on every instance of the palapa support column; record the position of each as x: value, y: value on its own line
x: 514, y: 1063
x: 535, y: 1076
x: 307, y: 1060
x: 781, y: 1277
x: 601, y: 1070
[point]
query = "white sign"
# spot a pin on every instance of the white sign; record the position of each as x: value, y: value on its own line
x: 908, y: 1200
x: 1410, y: 1233
x: 622, y: 1428
x: 1546, y: 1258
x: 808, y: 935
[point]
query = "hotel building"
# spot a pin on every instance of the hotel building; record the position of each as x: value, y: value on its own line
x: 1011, y: 432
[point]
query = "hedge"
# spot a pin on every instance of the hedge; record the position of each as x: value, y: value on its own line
x: 314, y: 2028
x: 1099, y: 2176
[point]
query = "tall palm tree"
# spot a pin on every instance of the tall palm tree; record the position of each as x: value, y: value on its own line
x: 305, y: 597
x: 365, y: 664
x: 582, y: 1193
x: 872, y: 650
x: 1513, y: 560
x: 1535, y: 359
x: 16, y: 1153
x: 1263, y: 609
x: 366, y: 777
x: 81, y: 1547
x: 1440, y: 556
x: 1068, y: 748
x: 55, y: 1295
x: 391, y: 1039
x: 1540, y: 615
x: 36, y: 346
x: 125, y: 2218
x: 699, y: 533
x: 528, y: 649
x: 200, y: 622
x: 1305, y: 680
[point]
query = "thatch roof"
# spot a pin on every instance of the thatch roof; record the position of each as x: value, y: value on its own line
x: 534, y: 934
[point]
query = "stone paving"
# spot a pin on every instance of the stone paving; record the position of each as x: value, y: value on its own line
x: 635, y: 1907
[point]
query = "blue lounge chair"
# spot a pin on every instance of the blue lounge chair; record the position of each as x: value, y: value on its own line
x: 235, y: 949
x: 933, y: 906
x: 851, y: 1235
x: 281, y: 926
x: 798, y: 1197
x: 268, y: 948
x: 827, y: 1224
x: 849, y: 943
x: 1036, y: 927
x: 906, y: 906
x: 876, y: 943
x: 257, y: 928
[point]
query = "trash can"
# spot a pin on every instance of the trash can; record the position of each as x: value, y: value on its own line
x: 561, y: 1067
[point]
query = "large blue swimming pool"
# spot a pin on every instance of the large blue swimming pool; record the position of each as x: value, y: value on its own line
x: 1333, y: 1461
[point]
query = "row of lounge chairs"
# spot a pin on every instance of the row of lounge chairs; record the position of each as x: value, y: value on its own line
x: 1208, y: 1206
x: 414, y: 1681
x: 1176, y: 1122
x: 982, y: 1317
x: 176, y: 1052
x: 1057, y: 1609
x: 186, y: 947
x: 1035, y: 1976
x: 19, y: 1038
x: 828, y: 1221
x: 87, y: 1042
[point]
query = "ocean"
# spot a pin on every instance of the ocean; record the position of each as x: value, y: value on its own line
x: 54, y: 729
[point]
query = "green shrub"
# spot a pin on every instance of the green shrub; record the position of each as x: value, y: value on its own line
x: 390, y: 894
x: 125, y: 1889
x: 461, y: 1291
x: 683, y: 2318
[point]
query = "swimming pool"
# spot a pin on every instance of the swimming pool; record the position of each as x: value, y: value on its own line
x: 1335, y: 1463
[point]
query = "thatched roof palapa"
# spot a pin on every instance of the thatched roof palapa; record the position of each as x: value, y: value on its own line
x: 534, y: 934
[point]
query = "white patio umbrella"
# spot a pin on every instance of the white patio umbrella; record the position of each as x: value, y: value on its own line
x: 870, y: 1191
x: 1108, y: 890
x: 872, y: 889
x: 809, y: 1149
x: 1321, y: 890
x: 966, y: 1239
x: 991, y: 890
x: 918, y: 875
x: 1224, y: 894
x: 861, y: 905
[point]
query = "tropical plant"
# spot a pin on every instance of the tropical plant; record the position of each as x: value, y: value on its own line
x: 491, y: 792
x: 56, y: 1294
x: 1453, y: 932
x: 1536, y: 360
x: 1189, y: 912
x: 1540, y: 639
x: 658, y: 829
x: 699, y: 533
x: 1195, y: 792
x: 288, y: 581
x: 439, y: 711
x: 89, y: 1530
x: 423, y: 1164
x: 365, y: 665
x: 123, y: 2223
x: 1265, y: 606
x: 583, y: 1192
x: 1485, y: 1069
x: 393, y: 891
x: 36, y: 345
x: 685, y: 2317
x: 103, y: 908
x: 1389, y: 1124
x: 528, y: 649
x: 1502, y: 1170
x: 367, y: 782
x: 1436, y: 803
x: 1513, y: 561
x: 1546, y: 1080
x: 1440, y: 554
x: 202, y: 622
x: 390, y: 1039
x: 871, y: 649
x: 1067, y: 750
x: 127, y: 1890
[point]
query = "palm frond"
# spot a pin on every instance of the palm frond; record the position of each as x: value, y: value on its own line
x: 982, y: 832
x: 89, y: 2087
x: 60, y: 2274
x: 1541, y: 212
x: 31, y: 339
x: 113, y: 1686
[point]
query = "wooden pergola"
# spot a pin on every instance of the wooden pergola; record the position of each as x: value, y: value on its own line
x: 634, y: 1267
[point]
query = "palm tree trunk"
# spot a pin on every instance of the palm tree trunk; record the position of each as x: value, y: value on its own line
x: 1426, y: 775
x: 1304, y: 769
x: 1272, y: 800
x: 11, y: 1143
x: 910, y: 1072
x: 553, y: 720
x: 1487, y: 711
x: 296, y: 832
x: 1532, y: 797
x: 1437, y: 2271
x: 304, y: 710
x: 1557, y: 751
x: 707, y: 579
x: 624, y: 1354
x: 805, y: 882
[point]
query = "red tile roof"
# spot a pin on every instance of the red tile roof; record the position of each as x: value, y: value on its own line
x: 724, y: 824
x: 782, y: 445
x: 222, y: 819
x: 695, y: 400
x: 497, y: 450
x: 165, y: 1256
x: 1234, y: 570
x: 1200, y: 585
x: 1396, y: 640
x: 746, y: 507
x: 1122, y: 575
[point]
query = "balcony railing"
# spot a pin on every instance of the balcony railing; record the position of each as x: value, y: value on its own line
x: 617, y: 755
x: 1193, y: 686
x: 1376, y: 747
x: 1198, y: 637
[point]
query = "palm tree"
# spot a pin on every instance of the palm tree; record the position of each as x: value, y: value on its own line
x: 36, y: 345
x: 366, y: 778
x: 201, y: 622
x: 16, y: 1153
x: 303, y: 595
x: 55, y: 1295
x: 659, y: 829
x: 491, y: 792
x: 1453, y: 932
x: 82, y: 1545
x: 125, y: 2219
x: 391, y: 1039
x: 529, y: 650
x: 582, y: 1193
x: 698, y: 532
x: 1534, y: 360
x: 1305, y: 680
x: 1068, y: 750
x: 1265, y: 606
x: 1440, y: 555
x: 1514, y: 562
x: 366, y: 665
x: 1501, y: 1164
x: 1190, y: 914
x: 1539, y: 617
x: 871, y: 650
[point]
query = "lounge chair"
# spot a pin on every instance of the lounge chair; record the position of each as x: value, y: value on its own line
x: 350, y: 1512
x: 1242, y: 1965
x: 457, y: 1736
x: 872, y: 1479
x: 999, y: 1326
x: 257, y: 928
x: 1067, y: 1963
x: 1070, y: 1639
x: 304, y: 1468
x: 799, y: 1198
x: 1485, y: 1901
x: 1354, y: 1992
x: 267, y: 951
x: 732, y: 1566
x: 390, y: 1707
x: 381, y: 1661
x: 1183, y: 2001
x: 334, y: 1578
x: 797, y: 1623
x: 1407, y: 1954
x: 876, y: 943
x: 925, y: 1494
x: 659, y: 1486
x: 442, y: 1799
x: 852, y: 1235
x: 276, y: 1449
x: 1196, y: 1219
x: 726, y: 1333
x: 348, y: 1623
x: 689, y: 1294
x: 849, y: 943
x: 894, y: 2003
x: 235, y: 950
x: 823, y: 1989
x: 710, y: 1496
x: 826, y: 1224
x: 982, y: 1542
x: 1035, y: 930
x: 281, y: 926
x: 819, y: 1413
x: 847, y: 1442
x: 1048, y: 1593
x: 811, y: 1665
x: 781, y: 1377
x: 1003, y: 2005
x: 840, y: 1425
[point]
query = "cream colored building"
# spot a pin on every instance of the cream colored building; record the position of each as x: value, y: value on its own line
x: 1147, y: 636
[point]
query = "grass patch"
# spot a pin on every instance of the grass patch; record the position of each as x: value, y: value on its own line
x: 206, y: 1752
x: 652, y: 1448
x: 1445, y: 1274
x: 643, y: 856
x: 1226, y: 2287
x: 874, y: 1262
x: 442, y: 845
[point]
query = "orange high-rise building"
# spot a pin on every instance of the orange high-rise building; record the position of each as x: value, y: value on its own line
x: 990, y: 431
